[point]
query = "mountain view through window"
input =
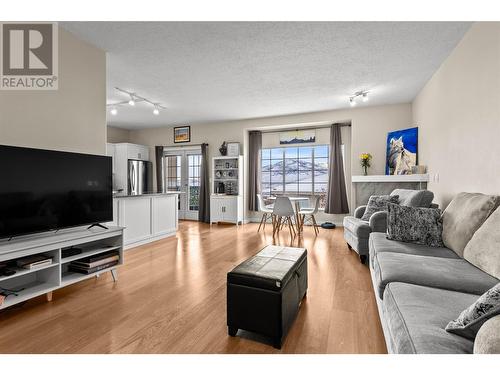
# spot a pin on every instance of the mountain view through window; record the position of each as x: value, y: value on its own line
x: 295, y: 171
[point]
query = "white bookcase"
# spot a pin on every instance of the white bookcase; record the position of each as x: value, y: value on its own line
x: 46, y: 279
x: 226, y: 201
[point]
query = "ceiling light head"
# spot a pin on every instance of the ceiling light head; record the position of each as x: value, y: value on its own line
x: 132, y: 100
x: 365, y: 96
x: 352, y: 102
x: 156, y: 111
x: 113, y: 111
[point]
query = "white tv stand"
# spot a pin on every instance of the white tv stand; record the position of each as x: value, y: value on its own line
x: 46, y: 279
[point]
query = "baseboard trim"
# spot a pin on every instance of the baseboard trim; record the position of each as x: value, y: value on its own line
x: 131, y: 245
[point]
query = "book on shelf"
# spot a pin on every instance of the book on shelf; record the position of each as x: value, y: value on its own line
x: 34, y: 261
x: 110, y: 258
x: 88, y: 271
x: 97, y: 257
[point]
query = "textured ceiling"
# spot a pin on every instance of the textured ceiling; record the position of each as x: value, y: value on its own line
x: 215, y: 71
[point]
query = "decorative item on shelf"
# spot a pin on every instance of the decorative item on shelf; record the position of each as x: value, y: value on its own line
x: 233, y: 149
x: 228, y: 165
x: 230, y: 173
x: 402, y: 151
x: 218, y: 174
x: 224, y: 174
x: 220, y: 188
x: 182, y: 134
x: 365, y: 159
x: 419, y: 169
x: 297, y: 136
x: 223, y: 149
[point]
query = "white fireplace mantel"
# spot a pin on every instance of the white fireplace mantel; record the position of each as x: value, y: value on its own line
x: 392, y: 178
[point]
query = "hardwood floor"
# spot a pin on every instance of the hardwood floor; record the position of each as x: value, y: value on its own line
x: 171, y: 298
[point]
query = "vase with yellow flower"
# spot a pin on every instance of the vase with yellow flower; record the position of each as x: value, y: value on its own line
x: 365, y: 159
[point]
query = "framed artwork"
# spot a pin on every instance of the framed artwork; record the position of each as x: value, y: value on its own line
x: 297, y: 136
x: 402, y: 151
x: 233, y: 149
x: 182, y: 134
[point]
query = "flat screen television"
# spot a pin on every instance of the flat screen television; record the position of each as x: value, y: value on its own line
x: 42, y: 190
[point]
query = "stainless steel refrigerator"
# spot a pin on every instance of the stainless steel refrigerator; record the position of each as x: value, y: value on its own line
x: 140, y: 177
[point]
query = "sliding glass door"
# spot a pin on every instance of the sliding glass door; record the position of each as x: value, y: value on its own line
x: 182, y: 173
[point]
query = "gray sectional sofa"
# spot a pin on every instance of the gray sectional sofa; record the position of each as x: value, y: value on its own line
x: 420, y: 289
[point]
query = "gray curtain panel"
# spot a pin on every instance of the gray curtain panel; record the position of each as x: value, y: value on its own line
x: 336, y: 200
x: 254, y: 148
x: 204, y: 202
x: 159, y: 168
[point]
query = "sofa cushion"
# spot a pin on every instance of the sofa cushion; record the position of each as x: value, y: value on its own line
x: 463, y: 216
x: 473, y: 317
x: 380, y: 244
x: 378, y: 203
x: 416, y: 316
x: 414, y: 198
x: 445, y: 273
x: 483, y: 250
x: 415, y: 224
x: 356, y: 226
x: 488, y: 338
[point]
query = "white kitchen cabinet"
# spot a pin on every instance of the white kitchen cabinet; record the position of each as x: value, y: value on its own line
x: 110, y: 151
x: 137, y: 152
x: 226, y: 209
x: 146, y: 218
x: 123, y: 152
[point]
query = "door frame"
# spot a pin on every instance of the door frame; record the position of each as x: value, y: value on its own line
x: 183, y: 204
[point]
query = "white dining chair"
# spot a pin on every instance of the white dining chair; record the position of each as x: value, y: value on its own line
x: 307, y: 213
x: 267, y: 211
x: 282, y: 214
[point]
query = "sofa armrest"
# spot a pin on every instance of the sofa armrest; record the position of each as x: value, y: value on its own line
x: 488, y: 337
x: 359, y: 212
x: 434, y: 205
x: 378, y: 222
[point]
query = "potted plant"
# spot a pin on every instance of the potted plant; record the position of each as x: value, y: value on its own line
x: 365, y: 159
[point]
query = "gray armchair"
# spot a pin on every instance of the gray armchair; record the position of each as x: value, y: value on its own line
x: 357, y: 231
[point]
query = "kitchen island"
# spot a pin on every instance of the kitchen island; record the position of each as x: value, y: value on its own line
x: 146, y: 217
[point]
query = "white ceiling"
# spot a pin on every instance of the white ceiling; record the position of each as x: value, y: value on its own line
x: 218, y: 71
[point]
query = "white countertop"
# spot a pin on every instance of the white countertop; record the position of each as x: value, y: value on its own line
x: 122, y: 195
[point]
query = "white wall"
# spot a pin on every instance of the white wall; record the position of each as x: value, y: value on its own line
x: 458, y: 115
x: 72, y: 118
x: 117, y: 135
x: 368, y: 132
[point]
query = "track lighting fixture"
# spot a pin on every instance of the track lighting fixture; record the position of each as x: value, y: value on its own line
x: 358, y: 94
x: 133, y: 99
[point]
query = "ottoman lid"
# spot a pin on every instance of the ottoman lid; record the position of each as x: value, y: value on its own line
x: 271, y: 268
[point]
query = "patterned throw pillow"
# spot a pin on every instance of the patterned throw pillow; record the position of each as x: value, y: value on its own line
x: 415, y: 224
x: 473, y: 317
x: 378, y: 203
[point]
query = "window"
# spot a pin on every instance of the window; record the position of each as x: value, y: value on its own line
x: 194, y: 163
x: 295, y: 171
x: 173, y: 172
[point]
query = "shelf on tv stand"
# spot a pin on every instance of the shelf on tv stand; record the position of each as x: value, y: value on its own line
x: 46, y: 279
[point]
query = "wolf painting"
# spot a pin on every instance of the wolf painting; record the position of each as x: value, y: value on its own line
x: 401, y: 151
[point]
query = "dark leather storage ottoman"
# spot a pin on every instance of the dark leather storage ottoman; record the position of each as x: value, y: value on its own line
x: 265, y: 291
